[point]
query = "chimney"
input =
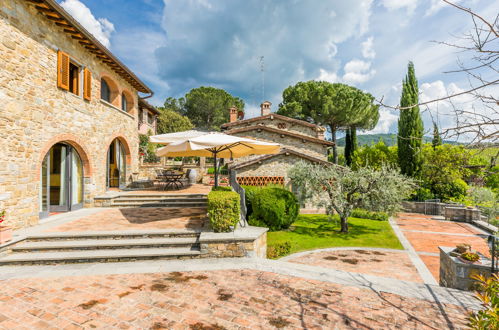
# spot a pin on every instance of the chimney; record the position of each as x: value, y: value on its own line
x: 320, y: 134
x: 233, y: 114
x: 265, y: 107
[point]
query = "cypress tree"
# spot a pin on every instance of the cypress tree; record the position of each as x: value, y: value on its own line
x: 350, y: 145
x: 437, y: 140
x: 410, y: 128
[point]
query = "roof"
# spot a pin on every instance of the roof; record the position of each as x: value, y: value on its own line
x: 273, y: 116
x: 54, y: 12
x: 284, y: 151
x: 143, y: 103
x: 279, y: 131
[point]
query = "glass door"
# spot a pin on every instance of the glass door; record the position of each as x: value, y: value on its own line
x: 59, y: 178
x: 116, y: 165
x: 76, y: 181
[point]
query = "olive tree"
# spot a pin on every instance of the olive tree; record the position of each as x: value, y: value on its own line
x: 340, y: 190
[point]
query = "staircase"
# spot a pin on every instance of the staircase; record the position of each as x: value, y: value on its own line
x: 80, y: 247
x: 156, y: 200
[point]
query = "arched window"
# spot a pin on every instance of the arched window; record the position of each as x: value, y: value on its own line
x: 124, y: 103
x: 105, y: 91
x: 116, y: 165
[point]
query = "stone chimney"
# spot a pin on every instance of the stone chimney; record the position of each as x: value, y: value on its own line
x: 321, y: 133
x: 233, y: 114
x: 265, y: 108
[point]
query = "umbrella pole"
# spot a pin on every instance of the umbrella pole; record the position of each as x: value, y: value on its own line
x: 215, y: 167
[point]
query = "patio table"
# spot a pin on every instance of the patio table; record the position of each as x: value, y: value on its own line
x: 171, y: 179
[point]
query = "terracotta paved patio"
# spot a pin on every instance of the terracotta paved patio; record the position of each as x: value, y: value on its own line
x: 365, y: 261
x: 425, y: 235
x: 190, y: 189
x: 238, y: 299
x: 136, y: 219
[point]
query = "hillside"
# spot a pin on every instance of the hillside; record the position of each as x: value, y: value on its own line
x: 388, y: 139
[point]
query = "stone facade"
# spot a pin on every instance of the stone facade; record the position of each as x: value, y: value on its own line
x: 36, y: 114
x: 247, y: 242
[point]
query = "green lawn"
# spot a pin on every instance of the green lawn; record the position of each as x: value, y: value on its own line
x: 315, y: 231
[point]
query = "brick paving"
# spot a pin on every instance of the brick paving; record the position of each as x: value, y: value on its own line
x: 136, y: 219
x: 364, y: 261
x: 236, y: 299
x: 190, y: 189
x: 426, y: 235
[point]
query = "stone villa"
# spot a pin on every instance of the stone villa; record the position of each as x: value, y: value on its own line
x: 70, y: 113
x: 300, y: 140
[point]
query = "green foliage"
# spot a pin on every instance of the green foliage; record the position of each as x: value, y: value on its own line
x: 388, y: 138
x: 488, y: 295
x: 410, y: 128
x: 278, y: 250
x: 170, y: 121
x: 277, y: 208
x: 375, y: 156
x: 365, y: 214
x: 437, y: 140
x: 351, y: 145
x: 208, y: 107
x: 318, y: 231
x: 336, y: 105
x: 470, y: 256
x: 340, y: 189
x: 221, y: 188
x: 147, y: 149
x: 444, y: 169
x: 223, y: 210
x: 492, y: 179
x: 250, y: 192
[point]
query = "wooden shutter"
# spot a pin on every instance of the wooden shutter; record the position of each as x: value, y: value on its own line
x: 62, y: 70
x: 87, y: 84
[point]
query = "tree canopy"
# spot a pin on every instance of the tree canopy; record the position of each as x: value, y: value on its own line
x: 336, y: 105
x: 170, y: 121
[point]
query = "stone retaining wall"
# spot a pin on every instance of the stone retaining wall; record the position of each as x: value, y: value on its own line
x: 246, y: 242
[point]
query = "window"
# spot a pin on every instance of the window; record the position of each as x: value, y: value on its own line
x: 150, y: 118
x: 105, y: 91
x: 74, y: 78
x: 124, y: 105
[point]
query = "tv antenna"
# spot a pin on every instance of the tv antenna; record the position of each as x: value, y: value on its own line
x: 262, y: 70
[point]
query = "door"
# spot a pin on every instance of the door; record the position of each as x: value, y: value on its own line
x: 116, y: 165
x: 61, y: 180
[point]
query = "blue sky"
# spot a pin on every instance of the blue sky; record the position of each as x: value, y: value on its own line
x: 176, y: 45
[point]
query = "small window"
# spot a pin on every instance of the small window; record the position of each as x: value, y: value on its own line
x: 150, y: 118
x: 74, y: 78
x: 105, y: 91
x: 124, y: 105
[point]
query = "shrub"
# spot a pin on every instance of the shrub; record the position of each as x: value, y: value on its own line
x: 250, y: 192
x: 220, y: 188
x: 278, y: 250
x: 470, y: 256
x: 276, y: 207
x: 488, y: 295
x: 365, y: 214
x: 223, y: 210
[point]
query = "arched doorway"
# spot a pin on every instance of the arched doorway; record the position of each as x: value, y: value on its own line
x: 116, y: 165
x: 61, y: 177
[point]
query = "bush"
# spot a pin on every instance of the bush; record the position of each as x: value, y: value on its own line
x: 223, y: 210
x: 275, y: 207
x: 488, y: 295
x: 250, y: 192
x: 220, y: 188
x: 365, y: 214
x: 278, y: 250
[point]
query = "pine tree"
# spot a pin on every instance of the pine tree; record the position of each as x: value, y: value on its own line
x: 437, y: 140
x: 410, y: 126
x: 350, y: 144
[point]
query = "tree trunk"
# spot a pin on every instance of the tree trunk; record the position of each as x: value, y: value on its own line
x: 344, y: 225
x: 333, y: 138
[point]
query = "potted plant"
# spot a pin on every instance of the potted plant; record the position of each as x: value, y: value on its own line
x: 469, y: 258
x: 5, y: 231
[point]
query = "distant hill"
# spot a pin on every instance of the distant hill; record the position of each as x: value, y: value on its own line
x: 388, y: 139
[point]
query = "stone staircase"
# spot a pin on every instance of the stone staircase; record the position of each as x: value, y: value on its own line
x: 153, y: 200
x: 80, y: 247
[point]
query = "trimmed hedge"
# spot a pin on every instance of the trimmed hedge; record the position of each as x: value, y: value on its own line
x: 250, y: 192
x: 364, y: 214
x: 277, y: 208
x: 223, y: 210
x: 278, y: 250
x: 221, y: 188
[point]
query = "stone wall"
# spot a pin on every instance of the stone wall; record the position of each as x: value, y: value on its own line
x: 245, y: 242
x: 35, y: 114
x: 457, y: 274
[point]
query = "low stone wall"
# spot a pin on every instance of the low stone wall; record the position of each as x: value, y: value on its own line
x: 456, y: 274
x: 467, y: 214
x: 245, y: 242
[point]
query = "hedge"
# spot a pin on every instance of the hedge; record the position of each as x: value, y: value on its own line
x: 365, y: 214
x: 277, y: 208
x: 223, y: 210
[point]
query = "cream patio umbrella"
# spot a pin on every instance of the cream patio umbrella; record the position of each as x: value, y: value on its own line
x: 211, y: 144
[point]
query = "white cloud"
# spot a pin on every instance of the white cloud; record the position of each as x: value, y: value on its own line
x: 358, y: 71
x: 100, y: 28
x: 331, y: 77
x: 387, y: 119
x: 367, y: 48
x: 392, y: 5
x: 436, y: 5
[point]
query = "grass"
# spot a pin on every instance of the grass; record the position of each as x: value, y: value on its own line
x: 315, y: 231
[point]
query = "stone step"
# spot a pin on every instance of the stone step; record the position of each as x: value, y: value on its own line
x: 156, y: 196
x: 114, y: 235
x: 96, y: 244
x: 133, y: 199
x: 87, y: 256
x: 163, y: 205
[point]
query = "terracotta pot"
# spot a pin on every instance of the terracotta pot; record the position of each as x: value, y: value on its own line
x: 5, y: 234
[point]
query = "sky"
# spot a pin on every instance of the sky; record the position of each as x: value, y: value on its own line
x: 177, y: 45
